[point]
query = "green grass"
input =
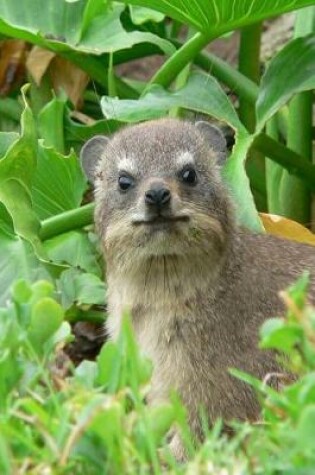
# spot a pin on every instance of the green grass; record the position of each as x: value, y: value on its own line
x: 94, y: 420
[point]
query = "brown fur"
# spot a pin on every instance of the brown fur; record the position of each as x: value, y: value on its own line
x: 198, y: 290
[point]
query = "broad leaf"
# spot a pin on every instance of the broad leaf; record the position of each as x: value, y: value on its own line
x: 6, y: 140
x: 90, y: 27
x: 80, y: 288
x: 202, y: 93
x: 238, y: 182
x: 290, y: 72
x: 58, y: 184
x: 17, y: 261
x: 74, y: 248
x: 16, y: 172
x: 141, y: 15
x: 215, y: 17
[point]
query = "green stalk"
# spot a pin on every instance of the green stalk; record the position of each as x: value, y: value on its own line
x: 295, y: 202
x: 112, y: 89
x: 67, y: 221
x: 273, y: 170
x: 10, y: 108
x: 287, y: 158
x: 40, y: 95
x: 249, y: 66
x: 184, y: 55
x: 295, y: 199
x: 181, y: 80
x: 236, y: 81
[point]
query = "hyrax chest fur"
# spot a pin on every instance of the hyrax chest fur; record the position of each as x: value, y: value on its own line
x: 197, y: 288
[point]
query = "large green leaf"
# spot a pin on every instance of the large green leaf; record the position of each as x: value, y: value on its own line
x: 290, y: 72
x: 215, y: 17
x: 91, y: 27
x: 18, y: 260
x: 203, y: 94
x: 74, y: 248
x: 6, y: 140
x: 238, y: 182
x: 16, y: 172
x: 58, y: 183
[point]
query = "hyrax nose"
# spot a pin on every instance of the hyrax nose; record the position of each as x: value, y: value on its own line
x: 158, y: 196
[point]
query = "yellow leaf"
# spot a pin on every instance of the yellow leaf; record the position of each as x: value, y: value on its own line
x: 286, y: 228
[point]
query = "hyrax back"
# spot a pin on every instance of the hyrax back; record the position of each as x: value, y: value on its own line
x: 198, y: 288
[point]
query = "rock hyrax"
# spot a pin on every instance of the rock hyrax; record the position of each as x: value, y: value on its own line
x: 197, y: 287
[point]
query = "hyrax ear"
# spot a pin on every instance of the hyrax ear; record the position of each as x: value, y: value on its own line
x: 90, y: 155
x: 214, y: 136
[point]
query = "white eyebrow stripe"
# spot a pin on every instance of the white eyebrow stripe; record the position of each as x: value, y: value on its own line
x: 128, y: 165
x: 185, y: 158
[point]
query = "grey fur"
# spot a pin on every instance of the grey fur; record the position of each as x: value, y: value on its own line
x: 215, y: 138
x: 198, y: 290
x: 90, y: 155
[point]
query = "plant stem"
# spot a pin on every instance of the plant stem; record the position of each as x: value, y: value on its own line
x: 236, y: 81
x: 184, y: 55
x: 294, y: 195
x: 10, y: 108
x: 249, y: 66
x: 295, y: 199
x: 286, y: 157
x: 67, y: 221
x: 273, y: 171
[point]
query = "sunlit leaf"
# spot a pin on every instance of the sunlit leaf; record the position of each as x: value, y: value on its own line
x: 214, y: 17
x: 202, y: 93
x: 290, y: 72
x: 76, y: 26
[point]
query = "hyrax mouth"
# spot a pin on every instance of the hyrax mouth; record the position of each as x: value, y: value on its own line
x: 160, y: 220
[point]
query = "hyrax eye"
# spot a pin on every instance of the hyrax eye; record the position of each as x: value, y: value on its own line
x: 189, y: 176
x: 125, y: 182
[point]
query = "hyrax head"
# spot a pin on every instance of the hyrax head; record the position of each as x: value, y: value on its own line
x: 158, y: 190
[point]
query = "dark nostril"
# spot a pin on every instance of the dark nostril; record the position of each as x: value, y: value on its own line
x: 165, y: 195
x: 157, y: 196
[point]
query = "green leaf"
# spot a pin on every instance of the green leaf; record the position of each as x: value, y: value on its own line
x: 140, y: 15
x: 16, y: 173
x: 58, y: 183
x: 6, y: 140
x: 201, y: 93
x: 290, y: 72
x: 159, y: 420
x: 17, y: 261
x: 51, y: 123
x: 305, y: 429
x: 279, y: 335
x: 91, y: 27
x: 74, y: 248
x: 215, y: 17
x: 106, y: 364
x: 80, y: 288
x: 238, y: 183
x: 46, y: 318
